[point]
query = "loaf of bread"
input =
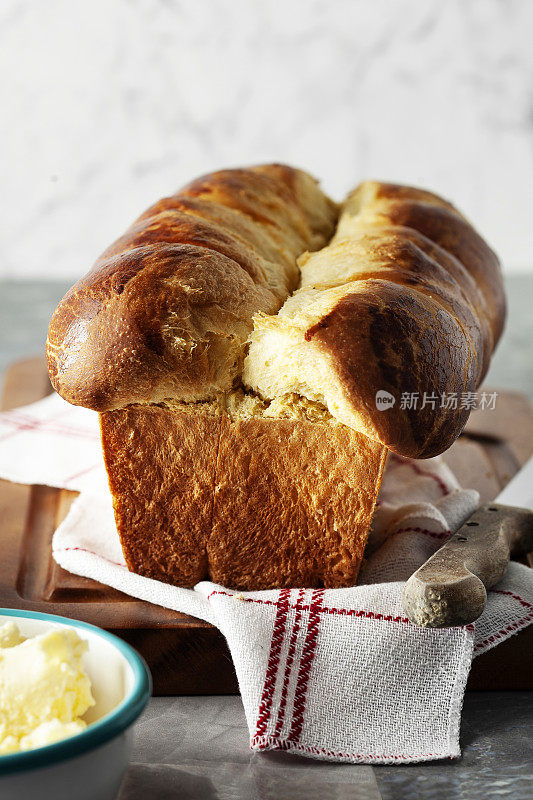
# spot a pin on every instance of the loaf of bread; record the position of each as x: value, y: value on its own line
x: 234, y: 340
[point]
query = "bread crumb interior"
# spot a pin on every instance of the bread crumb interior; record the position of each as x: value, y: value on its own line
x: 240, y: 405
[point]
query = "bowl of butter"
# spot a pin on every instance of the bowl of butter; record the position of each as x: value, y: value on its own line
x: 70, y: 694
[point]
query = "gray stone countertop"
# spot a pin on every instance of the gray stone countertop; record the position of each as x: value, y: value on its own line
x: 197, y: 747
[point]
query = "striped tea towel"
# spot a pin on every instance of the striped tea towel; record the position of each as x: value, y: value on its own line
x: 336, y: 674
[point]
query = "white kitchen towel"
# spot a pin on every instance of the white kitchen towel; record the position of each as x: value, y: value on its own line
x: 336, y: 674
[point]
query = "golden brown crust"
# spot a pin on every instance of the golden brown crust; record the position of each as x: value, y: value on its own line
x: 172, y: 325
x: 429, y: 326
x: 293, y: 504
x: 407, y: 299
x: 171, y: 227
x: 372, y: 334
x: 161, y: 473
x: 290, y: 503
x: 447, y: 228
x: 167, y: 309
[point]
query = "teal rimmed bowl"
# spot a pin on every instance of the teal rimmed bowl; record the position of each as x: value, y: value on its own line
x: 92, y: 763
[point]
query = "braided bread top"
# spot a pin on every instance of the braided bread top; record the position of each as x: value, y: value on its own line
x: 406, y: 299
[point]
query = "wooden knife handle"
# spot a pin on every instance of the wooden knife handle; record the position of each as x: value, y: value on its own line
x: 451, y: 587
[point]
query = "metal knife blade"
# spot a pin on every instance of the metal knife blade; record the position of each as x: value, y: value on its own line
x: 519, y: 490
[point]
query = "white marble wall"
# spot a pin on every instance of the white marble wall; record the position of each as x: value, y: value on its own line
x: 107, y: 105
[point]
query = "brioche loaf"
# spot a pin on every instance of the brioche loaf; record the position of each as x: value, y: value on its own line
x: 237, y: 387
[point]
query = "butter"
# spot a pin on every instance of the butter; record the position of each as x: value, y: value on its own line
x: 10, y: 635
x: 44, y: 689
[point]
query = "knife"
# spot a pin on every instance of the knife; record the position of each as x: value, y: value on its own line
x: 451, y: 587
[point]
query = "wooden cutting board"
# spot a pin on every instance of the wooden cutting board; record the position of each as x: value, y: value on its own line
x: 186, y: 655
